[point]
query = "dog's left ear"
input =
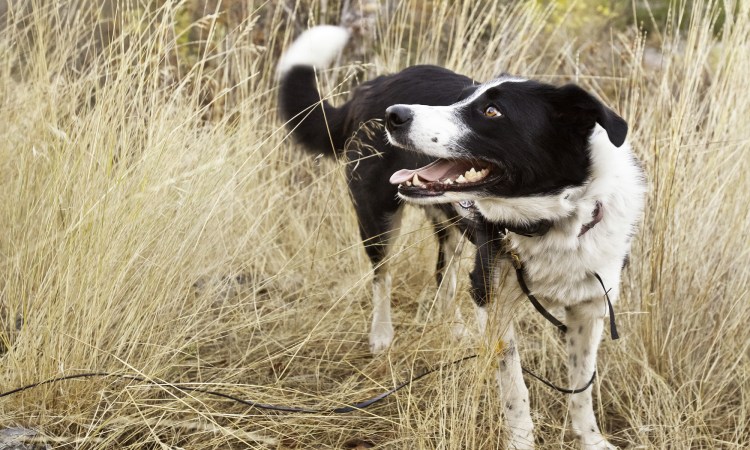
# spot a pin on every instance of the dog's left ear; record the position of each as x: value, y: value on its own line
x: 467, y: 91
x: 582, y: 110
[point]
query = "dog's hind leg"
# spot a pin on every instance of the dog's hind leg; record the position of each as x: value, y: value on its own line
x: 378, y: 235
x: 450, y: 246
x: 584, y: 333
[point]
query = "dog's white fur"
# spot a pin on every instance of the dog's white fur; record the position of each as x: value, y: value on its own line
x: 317, y: 47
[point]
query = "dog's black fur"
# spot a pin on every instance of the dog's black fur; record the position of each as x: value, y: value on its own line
x: 374, y: 198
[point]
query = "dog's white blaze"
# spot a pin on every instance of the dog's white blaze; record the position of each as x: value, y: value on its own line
x: 489, y: 85
x: 317, y: 47
x: 434, y: 130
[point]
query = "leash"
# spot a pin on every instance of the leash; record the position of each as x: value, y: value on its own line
x: 541, y: 229
x: 556, y: 322
x: 250, y: 403
x: 612, y: 326
x: 516, y: 260
x: 282, y: 408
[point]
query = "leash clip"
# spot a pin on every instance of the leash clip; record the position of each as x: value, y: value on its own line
x: 466, y: 204
x: 516, y: 260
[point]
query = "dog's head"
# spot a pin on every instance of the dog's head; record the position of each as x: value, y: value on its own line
x: 510, y: 139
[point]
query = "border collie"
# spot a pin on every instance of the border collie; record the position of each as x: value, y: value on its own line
x: 355, y: 130
x: 553, y: 160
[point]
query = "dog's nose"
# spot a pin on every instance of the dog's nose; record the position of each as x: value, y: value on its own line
x: 397, y: 116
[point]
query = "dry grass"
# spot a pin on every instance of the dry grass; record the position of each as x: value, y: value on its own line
x: 156, y: 220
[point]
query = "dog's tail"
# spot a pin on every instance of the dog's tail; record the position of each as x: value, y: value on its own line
x: 314, y: 122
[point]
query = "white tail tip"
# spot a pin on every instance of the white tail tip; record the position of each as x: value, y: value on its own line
x: 316, y: 47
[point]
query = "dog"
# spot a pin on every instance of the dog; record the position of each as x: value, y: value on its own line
x: 348, y: 131
x: 553, y: 183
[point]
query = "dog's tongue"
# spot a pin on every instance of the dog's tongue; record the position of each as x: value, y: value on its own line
x: 442, y: 168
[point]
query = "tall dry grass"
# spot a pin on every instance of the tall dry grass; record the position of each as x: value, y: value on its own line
x: 157, y: 220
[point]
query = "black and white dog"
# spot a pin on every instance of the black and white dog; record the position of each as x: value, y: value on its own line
x: 548, y: 165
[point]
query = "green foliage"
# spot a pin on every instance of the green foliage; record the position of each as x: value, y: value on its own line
x: 586, y: 16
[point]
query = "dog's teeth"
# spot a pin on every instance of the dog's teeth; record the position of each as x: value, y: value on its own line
x: 461, y: 179
x: 416, y: 181
x: 448, y: 181
x: 472, y: 174
x: 408, y: 183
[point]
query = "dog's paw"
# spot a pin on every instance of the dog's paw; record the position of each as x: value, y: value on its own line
x: 460, y: 331
x: 381, y: 337
x: 519, y: 442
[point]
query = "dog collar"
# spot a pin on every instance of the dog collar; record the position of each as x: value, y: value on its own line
x: 541, y: 227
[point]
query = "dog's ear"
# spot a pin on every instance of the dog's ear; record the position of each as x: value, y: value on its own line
x: 580, y: 109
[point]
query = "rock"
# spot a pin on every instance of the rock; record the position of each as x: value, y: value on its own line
x: 18, y: 438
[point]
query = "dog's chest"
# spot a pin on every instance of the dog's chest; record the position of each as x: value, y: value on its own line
x: 560, y: 266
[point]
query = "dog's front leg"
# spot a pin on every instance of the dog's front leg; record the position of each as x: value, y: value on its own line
x: 381, y: 330
x: 513, y: 391
x: 584, y: 333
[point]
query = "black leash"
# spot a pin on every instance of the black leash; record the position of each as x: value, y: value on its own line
x: 557, y: 388
x: 538, y: 306
x: 612, y: 326
x: 250, y: 403
x: 546, y: 314
x: 253, y: 404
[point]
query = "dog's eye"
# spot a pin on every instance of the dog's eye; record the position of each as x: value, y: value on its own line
x: 492, y: 111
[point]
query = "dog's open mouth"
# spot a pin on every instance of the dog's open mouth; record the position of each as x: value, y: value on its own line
x: 445, y: 175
